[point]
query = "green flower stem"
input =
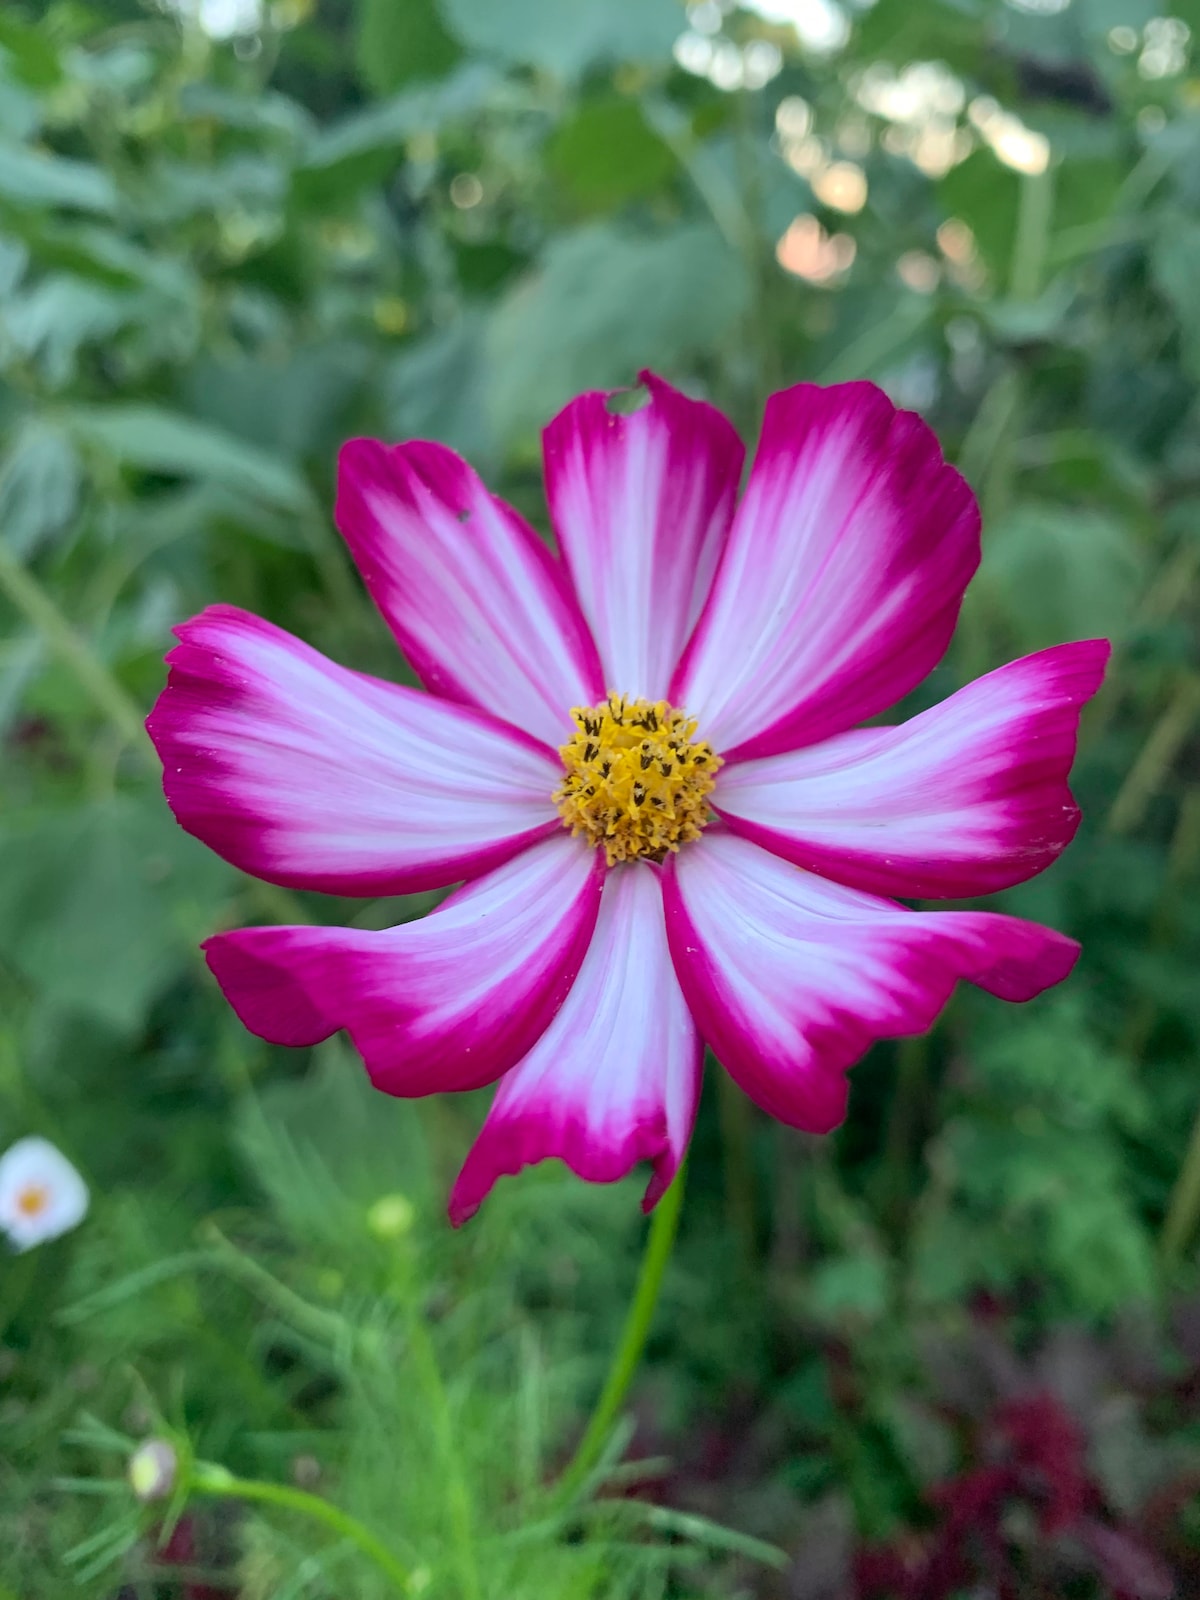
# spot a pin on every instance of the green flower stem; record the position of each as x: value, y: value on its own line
x: 29, y: 598
x: 216, y: 1481
x: 663, y: 1226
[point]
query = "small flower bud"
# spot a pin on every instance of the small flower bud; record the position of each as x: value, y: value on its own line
x: 152, y: 1470
x: 391, y: 1217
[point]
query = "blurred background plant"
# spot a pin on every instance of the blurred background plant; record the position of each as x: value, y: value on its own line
x: 951, y: 1350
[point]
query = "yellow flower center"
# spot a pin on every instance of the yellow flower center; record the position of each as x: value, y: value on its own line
x: 31, y: 1202
x: 636, y: 778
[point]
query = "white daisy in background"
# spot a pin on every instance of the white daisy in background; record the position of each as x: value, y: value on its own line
x: 41, y: 1194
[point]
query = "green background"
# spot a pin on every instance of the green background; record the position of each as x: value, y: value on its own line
x: 221, y: 257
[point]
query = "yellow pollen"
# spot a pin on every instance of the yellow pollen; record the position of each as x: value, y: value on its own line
x: 33, y: 1201
x: 636, y: 778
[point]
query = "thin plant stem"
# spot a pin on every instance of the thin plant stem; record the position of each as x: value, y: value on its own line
x: 878, y: 343
x: 1154, y: 761
x: 220, y: 1484
x: 1182, y: 856
x: 992, y: 423
x: 31, y: 599
x: 1183, y: 1208
x: 903, y: 1130
x: 663, y: 1226
x: 458, y: 1498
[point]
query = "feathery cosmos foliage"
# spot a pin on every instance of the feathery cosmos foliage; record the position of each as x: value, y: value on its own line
x: 735, y: 840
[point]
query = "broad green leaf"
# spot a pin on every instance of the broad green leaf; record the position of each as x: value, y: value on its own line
x: 31, y: 55
x: 101, y: 904
x: 567, y: 36
x: 901, y: 31
x: 434, y: 389
x: 850, y: 1289
x: 287, y: 406
x: 260, y: 112
x: 156, y: 440
x: 50, y: 322
x: 1176, y: 261
x: 607, y: 154
x: 84, y: 252
x: 984, y: 194
x: 39, y: 486
x: 20, y: 109
x: 399, y: 44
x: 604, y: 305
x: 364, y: 147
x: 14, y: 258
x: 1054, y: 572
x: 31, y: 177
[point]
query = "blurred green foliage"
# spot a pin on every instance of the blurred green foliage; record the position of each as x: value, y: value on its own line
x: 221, y: 257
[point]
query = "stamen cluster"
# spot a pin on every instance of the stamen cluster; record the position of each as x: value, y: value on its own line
x: 636, y: 778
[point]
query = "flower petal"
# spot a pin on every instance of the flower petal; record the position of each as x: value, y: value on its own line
x: 967, y: 798
x: 615, y: 1077
x: 841, y: 582
x: 478, y: 604
x: 310, y: 775
x: 34, y: 1170
x: 444, y: 1003
x: 791, y: 978
x: 641, y: 504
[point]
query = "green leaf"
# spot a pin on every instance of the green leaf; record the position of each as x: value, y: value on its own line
x: 902, y: 31
x: 1174, y: 258
x: 566, y: 37
x: 31, y: 55
x: 850, y: 1289
x: 399, y: 44
x: 156, y: 440
x: 20, y: 110
x: 604, y: 305
x: 52, y: 321
x: 606, y: 154
x: 288, y: 406
x: 1055, y: 573
x: 29, y: 177
x: 984, y: 194
x: 364, y: 147
x: 434, y: 389
x: 100, y: 904
x: 39, y: 486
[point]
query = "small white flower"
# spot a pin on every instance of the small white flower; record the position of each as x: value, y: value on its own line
x: 41, y: 1194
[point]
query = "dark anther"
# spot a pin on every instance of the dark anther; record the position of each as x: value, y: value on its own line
x: 606, y: 769
x: 667, y: 768
x: 590, y: 752
x: 639, y: 793
x: 652, y: 720
x: 647, y: 761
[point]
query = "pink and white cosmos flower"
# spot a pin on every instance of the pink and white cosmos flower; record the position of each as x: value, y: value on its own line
x: 682, y: 637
